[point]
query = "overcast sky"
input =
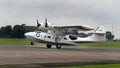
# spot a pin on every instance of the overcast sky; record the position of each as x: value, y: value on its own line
x: 62, y: 12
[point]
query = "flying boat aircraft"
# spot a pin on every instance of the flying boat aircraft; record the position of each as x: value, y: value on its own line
x: 51, y: 34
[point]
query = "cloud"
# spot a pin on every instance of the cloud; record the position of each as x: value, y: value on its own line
x: 61, y: 12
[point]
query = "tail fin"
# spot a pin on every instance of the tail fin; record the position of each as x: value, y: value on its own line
x: 100, y: 30
x: 99, y: 34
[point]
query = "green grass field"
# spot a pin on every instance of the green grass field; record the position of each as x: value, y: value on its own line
x: 101, y: 44
x: 11, y: 41
x: 38, y: 66
x: 96, y: 66
x: 14, y: 41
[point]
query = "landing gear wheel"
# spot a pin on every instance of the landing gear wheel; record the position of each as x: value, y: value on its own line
x: 58, y: 46
x: 32, y: 43
x: 49, y: 45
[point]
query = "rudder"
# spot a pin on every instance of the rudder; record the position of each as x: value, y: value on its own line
x: 99, y: 34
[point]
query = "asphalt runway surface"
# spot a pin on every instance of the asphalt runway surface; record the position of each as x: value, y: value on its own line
x: 66, y: 56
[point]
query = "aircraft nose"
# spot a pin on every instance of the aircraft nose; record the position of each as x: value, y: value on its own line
x: 27, y: 34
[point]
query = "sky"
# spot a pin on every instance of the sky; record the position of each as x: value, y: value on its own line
x: 93, y: 13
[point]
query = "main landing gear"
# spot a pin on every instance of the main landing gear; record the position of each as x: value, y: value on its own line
x: 49, y: 45
x: 57, y: 39
x: 58, y: 46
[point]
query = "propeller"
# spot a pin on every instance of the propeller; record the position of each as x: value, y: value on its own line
x: 38, y: 24
x: 46, y: 24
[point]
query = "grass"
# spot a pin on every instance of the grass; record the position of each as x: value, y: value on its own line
x: 96, y: 66
x: 101, y: 44
x: 39, y: 66
x: 11, y: 41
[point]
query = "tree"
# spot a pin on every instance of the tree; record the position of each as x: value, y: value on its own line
x: 18, y: 31
x: 109, y: 36
x: 5, y: 31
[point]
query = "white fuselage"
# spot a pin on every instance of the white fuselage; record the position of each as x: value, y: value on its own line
x: 43, y: 37
x: 50, y: 38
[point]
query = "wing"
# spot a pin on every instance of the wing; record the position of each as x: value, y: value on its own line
x: 74, y: 28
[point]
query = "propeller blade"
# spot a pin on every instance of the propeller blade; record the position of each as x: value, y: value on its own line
x: 45, y: 20
x: 38, y: 24
x: 46, y: 24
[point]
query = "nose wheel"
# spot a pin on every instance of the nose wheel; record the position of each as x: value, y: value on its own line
x: 32, y: 43
x: 49, y: 45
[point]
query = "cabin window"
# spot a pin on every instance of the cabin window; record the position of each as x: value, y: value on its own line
x: 49, y: 36
x: 73, y: 37
x: 65, y: 38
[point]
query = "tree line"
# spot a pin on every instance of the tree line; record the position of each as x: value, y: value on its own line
x: 16, y: 31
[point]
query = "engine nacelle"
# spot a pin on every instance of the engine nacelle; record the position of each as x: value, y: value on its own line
x: 44, y: 26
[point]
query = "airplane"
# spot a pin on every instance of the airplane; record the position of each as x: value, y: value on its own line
x: 51, y: 34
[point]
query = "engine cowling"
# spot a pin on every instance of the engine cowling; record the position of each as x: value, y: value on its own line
x: 46, y: 26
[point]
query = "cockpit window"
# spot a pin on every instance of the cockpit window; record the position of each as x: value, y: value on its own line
x: 37, y: 31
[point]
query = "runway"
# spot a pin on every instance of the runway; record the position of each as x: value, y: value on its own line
x: 67, y: 56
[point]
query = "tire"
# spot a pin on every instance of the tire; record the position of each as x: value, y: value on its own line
x: 58, y: 46
x: 49, y: 45
x: 32, y: 43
